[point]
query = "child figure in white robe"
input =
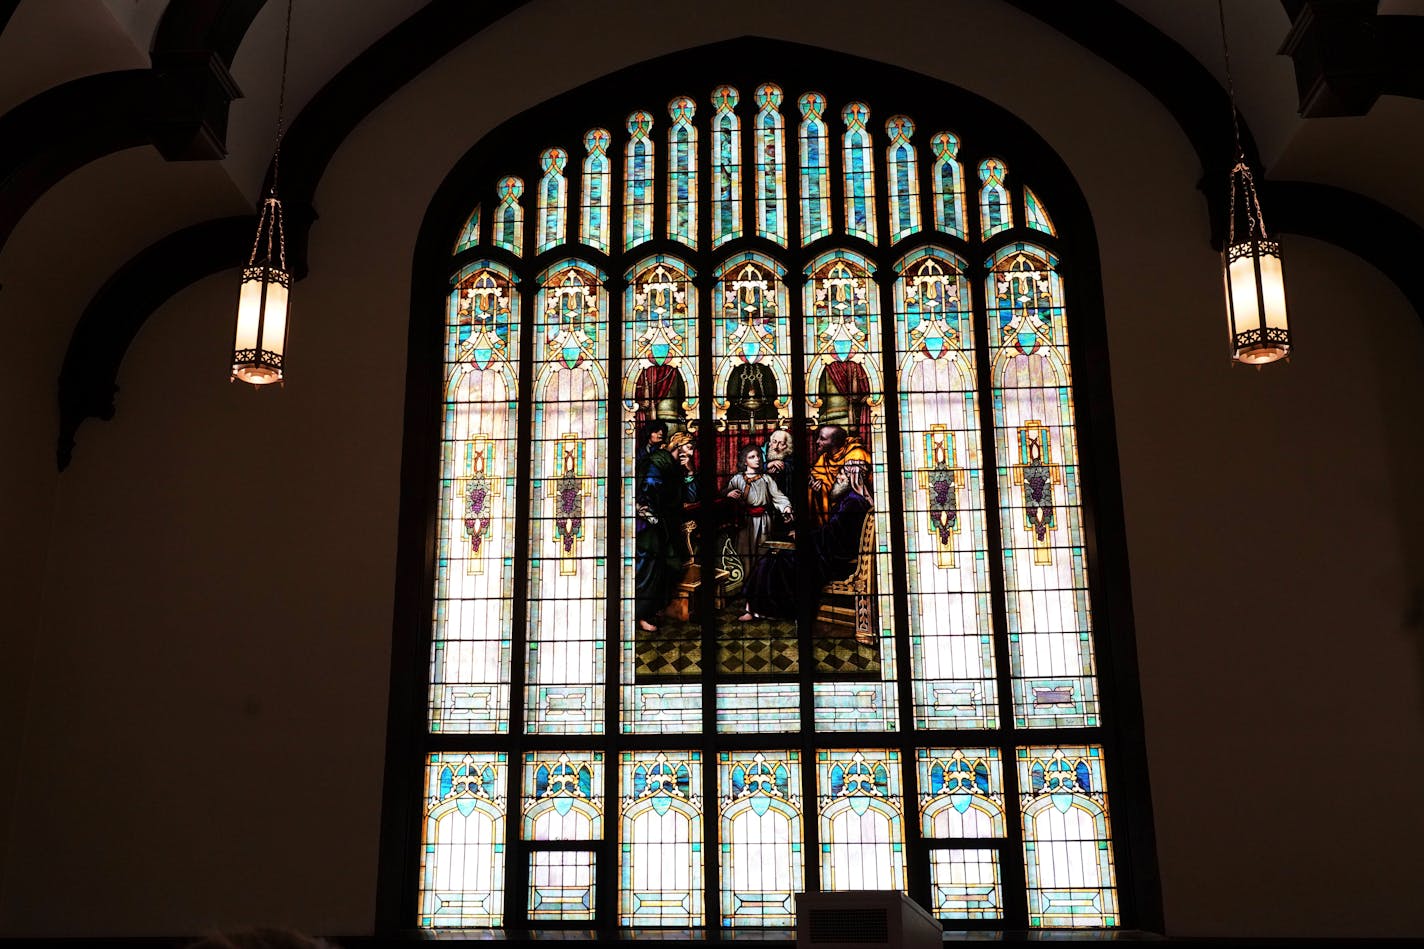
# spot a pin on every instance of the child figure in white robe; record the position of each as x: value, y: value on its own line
x: 759, y: 497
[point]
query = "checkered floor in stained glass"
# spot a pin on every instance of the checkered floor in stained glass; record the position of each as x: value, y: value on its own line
x: 761, y: 647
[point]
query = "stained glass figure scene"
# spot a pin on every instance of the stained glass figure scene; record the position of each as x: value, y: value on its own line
x: 719, y: 464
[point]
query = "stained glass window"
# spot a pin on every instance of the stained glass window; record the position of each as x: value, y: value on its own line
x: 815, y: 169
x: 902, y: 174
x: 593, y: 223
x: 470, y: 233
x: 726, y: 168
x: 687, y: 496
x: 948, y: 183
x: 509, y: 217
x: 1068, y: 855
x: 770, y: 165
x: 568, y: 550
x: 638, y: 181
x: 553, y: 200
x: 859, y: 173
x: 474, y: 575
x: 1041, y: 516
x: 682, y: 172
x: 996, y: 212
x: 1036, y: 215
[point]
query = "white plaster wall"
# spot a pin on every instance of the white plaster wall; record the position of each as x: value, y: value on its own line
x: 206, y: 731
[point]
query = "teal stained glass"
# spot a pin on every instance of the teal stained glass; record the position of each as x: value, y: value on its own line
x: 862, y: 822
x: 660, y: 839
x: 859, y: 172
x: 815, y: 169
x: 770, y: 165
x: 474, y: 576
x: 568, y: 565
x: 462, y: 852
x: 470, y: 233
x: 902, y: 178
x: 941, y: 463
x: 996, y: 211
x: 682, y: 172
x: 509, y: 216
x: 553, y: 200
x: 1068, y: 849
x: 961, y: 793
x: 597, y: 172
x: 726, y: 170
x: 1036, y: 215
x: 763, y: 860
x: 563, y: 795
x: 638, y: 181
x: 948, y: 184
x: 561, y: 885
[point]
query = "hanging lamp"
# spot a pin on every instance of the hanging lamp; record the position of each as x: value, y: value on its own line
x: 1251, y: 261
x: 261, y: 343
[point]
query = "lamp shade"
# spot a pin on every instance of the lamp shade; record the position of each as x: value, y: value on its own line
x: 1256, y: 301
x: 261, y: 325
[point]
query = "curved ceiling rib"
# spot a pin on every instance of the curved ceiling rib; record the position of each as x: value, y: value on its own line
x: 1184, y: 87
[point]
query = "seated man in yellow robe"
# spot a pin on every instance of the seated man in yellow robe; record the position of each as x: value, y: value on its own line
x: 834, y: 450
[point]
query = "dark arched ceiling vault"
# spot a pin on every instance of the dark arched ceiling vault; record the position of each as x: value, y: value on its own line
x: 87, y: 386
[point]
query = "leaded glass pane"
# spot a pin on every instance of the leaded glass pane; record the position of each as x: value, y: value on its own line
x: 859, y: 173
x: 848, y: 547
x: 966, y: 884
x: 948, y: 182
x: 947, y: 546
x: 682, y: 172
x: 902, y: 178
x: 553, y: 200
x: 1068, y: 854
x: 474, y: 569
x: 726, y: 168
x: 961, y: 793
x: 1045, y: 570
x: 770, y: 165
x: 815, y: 169
x: 563, y: 795
x: 597, y: 170
x: 1036, y: 215
x: 509, y: 217
x: 662, y: 567
x: 996, y: 212
x: 462, y: 853
x: 561, y: 885
x: 861, y: 820
x: 762, y: 861
x: 568, y: 557
x: 638, y: 181
x: 660, y: 839
x: 470, y: 233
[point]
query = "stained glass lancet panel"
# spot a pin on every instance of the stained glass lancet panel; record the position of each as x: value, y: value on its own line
x: 568, y: 557
x: 849, y: 547
x: 761, y: 836
x: 815, y: 169
x: 996, y: 211
x: 1045, y: 576
x: 563, y: 800
x: 859, y: 172
x: 962, y: 798
x: 726, y: 167
x: 597, y: 172
x: 903, y: 178
x: 948, y: 183
x: 638, y: 181
x: 756, y: 478
x: 474, y: 575
x: 862, y: 821
x: 1036, y: 215
x: 470, y: 233
x: 462, y: 852
x: 660, y: 839
x: 770, y: 165
x: 941, y: 460
x: 508, y: 229
x: 682, y: 172
x: 661, y: 576
x: 553, y: 200
x: 1068, y: 852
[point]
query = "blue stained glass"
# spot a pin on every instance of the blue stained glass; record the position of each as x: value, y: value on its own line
x: 682, y: 172
x: 509, y: 216
x: 470, y: 233
x: 815, y: 169
x: 761, y: 830
x: 996, y: 212
x: 553, y: 200
x: 770, y: 165
x: 859, y: 172
x: 638, y: 182
x: 1036, y: 215
x: 948, y: 181
x: 726, y: 167
x: 660, y: 836
x: 1067, y: 833
x: 904, y: 181
x: 462, y: 852
x: 597, y: 171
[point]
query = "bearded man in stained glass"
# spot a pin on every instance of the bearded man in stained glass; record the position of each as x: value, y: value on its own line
x: 835, y: 449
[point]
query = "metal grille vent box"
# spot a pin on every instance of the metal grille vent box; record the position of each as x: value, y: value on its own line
x: 864, y: 919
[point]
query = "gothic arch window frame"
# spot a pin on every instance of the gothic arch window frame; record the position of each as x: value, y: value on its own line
x: 984, y: 131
